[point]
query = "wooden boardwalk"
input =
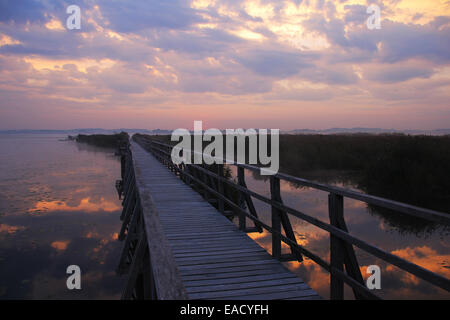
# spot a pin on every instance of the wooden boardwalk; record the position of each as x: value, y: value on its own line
x: 214, y: 258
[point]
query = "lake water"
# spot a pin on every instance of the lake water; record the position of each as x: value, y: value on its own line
x: 425, y: 245
x: 58, y: 207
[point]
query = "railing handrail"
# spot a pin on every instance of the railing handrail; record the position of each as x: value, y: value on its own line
x: 159, y: 267
x: 403, y: 264
x: 408, y: 209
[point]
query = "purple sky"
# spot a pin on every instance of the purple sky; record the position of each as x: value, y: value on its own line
x: 255, y: 63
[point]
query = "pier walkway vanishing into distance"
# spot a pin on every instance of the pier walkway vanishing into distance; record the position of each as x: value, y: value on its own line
x: 179, y: 241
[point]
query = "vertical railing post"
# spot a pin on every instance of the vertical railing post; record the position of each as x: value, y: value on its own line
x: 220, y: 187
x: 169, y: 159
x: 187, y: 169
x: 242, y: 216
x: 336, y: 212
x: 275, y: 194
x: 182, y: 168
x: 203, y: 178
x: 123, y: 162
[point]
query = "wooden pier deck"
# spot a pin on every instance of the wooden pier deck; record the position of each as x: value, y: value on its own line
x: 215, y: 259
x: 180, y: 246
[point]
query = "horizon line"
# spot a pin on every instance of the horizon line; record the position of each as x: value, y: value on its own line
x: 281, y: 130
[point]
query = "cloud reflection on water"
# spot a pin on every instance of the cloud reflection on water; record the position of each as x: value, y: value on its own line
x: 429, y: 250
x: 58, y: 210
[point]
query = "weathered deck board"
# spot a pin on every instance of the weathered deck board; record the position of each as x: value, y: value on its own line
x: 214, y: 258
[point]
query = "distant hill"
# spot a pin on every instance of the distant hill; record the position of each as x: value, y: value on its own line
x: 437, y: 132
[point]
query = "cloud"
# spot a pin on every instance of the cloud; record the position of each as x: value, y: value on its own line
x: 203, y: 42
x: 395, y: 73
x: 355, y: 13
x: 134, y: 16
x: 160, y: 56
x: 401, y: 42
x: 22, y: 11
x: 273, y: 63
x: 334, y: 75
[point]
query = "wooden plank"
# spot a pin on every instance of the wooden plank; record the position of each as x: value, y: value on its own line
x: 192, y: 242
x: 265, y: 271
x: 223, y: 270
x: 251, y: 291
x: 221, y: 235
x: 191, y: 225
x: 176, y: 231
x: 201, y: 229
x: 221, y: 247
x: 197, y: 243
x: 207, y: 234
x: 238, y: 279
x: 181, y: 227
x: 223, y: 255
x: 208, y: 216
x: 242, y: 285
x: 201, y: 217
x: 201, y: 220
x: 229, y: 265
x: 286, y: 295
x: 217, y: 252
x: 220, y: 259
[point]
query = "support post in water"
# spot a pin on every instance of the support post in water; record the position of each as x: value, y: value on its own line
x: 276, y: 221
x: 220, y: 187
x: 336, y: 210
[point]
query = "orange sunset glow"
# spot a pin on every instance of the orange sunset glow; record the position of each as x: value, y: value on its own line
x: 85, y: 205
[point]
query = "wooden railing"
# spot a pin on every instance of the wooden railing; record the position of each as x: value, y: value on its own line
x: 144, y: 242
x: 342, y: 255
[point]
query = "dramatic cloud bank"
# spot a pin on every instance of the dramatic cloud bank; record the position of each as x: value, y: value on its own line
x: 252, y: 63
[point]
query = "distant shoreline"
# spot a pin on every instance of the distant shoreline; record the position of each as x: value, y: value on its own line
x: 435, y: 132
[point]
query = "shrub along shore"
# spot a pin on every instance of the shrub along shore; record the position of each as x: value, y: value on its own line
x: 102, y: 140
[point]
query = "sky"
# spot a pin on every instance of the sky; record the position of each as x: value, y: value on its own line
x: 252, y: 63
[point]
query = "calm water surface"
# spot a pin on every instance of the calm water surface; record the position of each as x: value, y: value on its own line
x: 426, y: 245
x: 58, y: 207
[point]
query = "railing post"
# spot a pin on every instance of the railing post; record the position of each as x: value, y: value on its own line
x: 275, y: 194
x: 220, y: 187
x: 182, y: 168
x: 241, y: 182
x: 202, y: 177
x: 188, y: 170
x: 336, y: 212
